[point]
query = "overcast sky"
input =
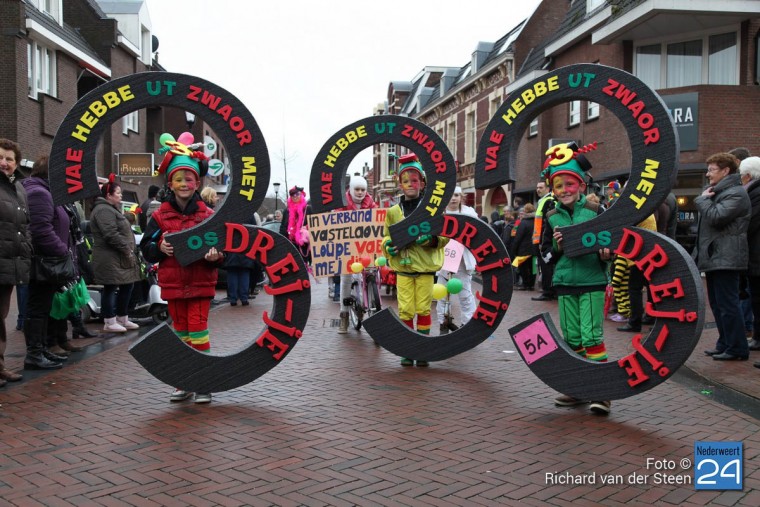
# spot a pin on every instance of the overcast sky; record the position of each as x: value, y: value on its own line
x: 305, y: 69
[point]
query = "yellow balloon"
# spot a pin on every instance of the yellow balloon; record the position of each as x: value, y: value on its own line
x: 357, y: 267
x: 439, y: 291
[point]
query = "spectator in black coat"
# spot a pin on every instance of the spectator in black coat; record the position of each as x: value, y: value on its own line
x: 16, y: 247
x: 750, y: 175
x: 522, y: 247
x: 145, y: 206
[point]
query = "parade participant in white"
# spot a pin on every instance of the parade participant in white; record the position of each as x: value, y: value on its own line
x: 464, y: 273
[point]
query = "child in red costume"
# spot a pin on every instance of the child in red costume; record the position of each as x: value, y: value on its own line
x: 187, y: 289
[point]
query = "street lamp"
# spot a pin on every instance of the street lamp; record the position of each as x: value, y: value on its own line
x: 276, y: 194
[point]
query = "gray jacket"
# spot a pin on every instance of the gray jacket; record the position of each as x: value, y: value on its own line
x: 723, y: 222
x: 113, y: 252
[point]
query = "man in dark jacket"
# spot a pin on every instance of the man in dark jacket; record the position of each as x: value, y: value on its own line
x: 545, y: 204
x: 722, y: 253
x: 16, y: 250
x: 143, y: 217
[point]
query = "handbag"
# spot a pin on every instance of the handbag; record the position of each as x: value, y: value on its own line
x: 70, y: 299
x: 53, y: 270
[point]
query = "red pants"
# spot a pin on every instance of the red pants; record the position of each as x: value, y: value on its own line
x: 190, y: 321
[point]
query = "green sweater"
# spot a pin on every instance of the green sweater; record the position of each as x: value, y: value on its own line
x: 586, y: 272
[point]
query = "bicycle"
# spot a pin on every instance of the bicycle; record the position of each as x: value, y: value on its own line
x: 364, y: 289
x: 448, y: 317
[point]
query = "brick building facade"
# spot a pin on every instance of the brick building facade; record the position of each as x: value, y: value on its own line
x: 700, y: 56
x: 56, y: 52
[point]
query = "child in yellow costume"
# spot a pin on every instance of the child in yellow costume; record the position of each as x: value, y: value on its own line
x: 416, y: 264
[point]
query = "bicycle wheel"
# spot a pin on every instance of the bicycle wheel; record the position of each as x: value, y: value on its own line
x: 373, y: 296
x: 356, y: 311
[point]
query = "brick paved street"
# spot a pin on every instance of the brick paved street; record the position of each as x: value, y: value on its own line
x: 339, y: 422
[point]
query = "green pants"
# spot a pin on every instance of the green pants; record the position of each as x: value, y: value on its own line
x: 581, y: 318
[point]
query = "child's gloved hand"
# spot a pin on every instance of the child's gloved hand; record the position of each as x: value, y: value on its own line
x: 424, y: 240
x: 392, y: 250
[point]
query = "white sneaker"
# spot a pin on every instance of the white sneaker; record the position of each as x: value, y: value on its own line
x: 126, y: 323
x: 180, y: 395
x: 616, y: 317
x: 111, y: 326
x: 203, y: 398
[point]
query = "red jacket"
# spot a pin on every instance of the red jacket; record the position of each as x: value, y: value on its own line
x: 197, y: 280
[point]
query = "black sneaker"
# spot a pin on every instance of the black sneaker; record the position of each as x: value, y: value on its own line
x: 564, y: 400
x: 600, y: 407
x: 180, y: 395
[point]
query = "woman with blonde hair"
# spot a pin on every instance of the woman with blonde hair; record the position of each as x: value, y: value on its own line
x: 210, y: 197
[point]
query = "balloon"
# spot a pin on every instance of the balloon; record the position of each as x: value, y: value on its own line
x: 186, y: 138
x: 380, y: 261
x: 357, y: 267
x: 454, y: 286
x: 365, y: 261
x: 439, y: 291
x: 165, y: 138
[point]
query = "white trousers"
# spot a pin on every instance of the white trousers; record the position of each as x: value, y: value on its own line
x: 466, y: 298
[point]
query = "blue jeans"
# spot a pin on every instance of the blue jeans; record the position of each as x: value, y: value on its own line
x: 238, y: 284
x: 723, y: 294
x: 114, y: 303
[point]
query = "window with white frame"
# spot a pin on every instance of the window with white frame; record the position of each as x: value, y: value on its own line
x: 41, y: 72
x: 722, y: 54
x: 392, y: 160
x: 593, y: 4
x: 471, y: 140
x: 146, y: 43
x: 710, y: 59
x: 592, y: 110
x: 533, y: 127
x: 493, y: 105
x: 451, y: 137
x: 50, y: 7
x: 131, y: 122
x: 648, y: 63
x: 574, y: 113
x: 684, y: 63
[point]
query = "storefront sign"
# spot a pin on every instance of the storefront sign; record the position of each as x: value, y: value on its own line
x: 684, y: 109
x: 135, y: 164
